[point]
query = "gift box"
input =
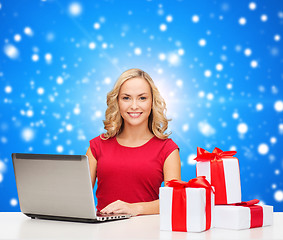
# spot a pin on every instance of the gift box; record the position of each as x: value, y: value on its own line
x: 243, y: 216
x: 222, y: 171
x: 186, y: 206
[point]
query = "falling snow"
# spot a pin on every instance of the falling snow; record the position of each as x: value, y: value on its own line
x: 220, y: 74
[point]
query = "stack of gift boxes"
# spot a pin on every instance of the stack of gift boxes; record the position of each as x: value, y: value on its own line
x: 212, y: 199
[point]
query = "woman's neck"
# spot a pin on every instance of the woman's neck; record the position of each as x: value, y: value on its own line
x: 133, y: 133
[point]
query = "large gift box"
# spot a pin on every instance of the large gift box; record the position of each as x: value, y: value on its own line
x: 222, y: 171
x: 186, y: 206
x: 243, y: 215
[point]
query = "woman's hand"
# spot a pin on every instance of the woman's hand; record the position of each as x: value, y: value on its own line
x: 122, y: 207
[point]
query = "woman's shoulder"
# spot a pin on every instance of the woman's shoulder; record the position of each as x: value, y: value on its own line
x: 165, y: 142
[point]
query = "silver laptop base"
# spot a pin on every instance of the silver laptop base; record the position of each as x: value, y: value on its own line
x: 72, y: 219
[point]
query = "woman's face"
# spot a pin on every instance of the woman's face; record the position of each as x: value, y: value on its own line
x: 135, y: 101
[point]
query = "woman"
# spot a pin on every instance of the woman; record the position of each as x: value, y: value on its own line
x: 134, y: 156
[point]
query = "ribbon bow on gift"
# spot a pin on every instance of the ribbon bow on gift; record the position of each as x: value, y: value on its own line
x: 217, y: 154
x: 256, y: 212
x: 217, y: 175
x: 179, y: 202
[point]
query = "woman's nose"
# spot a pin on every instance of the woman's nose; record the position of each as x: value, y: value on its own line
x: 134, y: 104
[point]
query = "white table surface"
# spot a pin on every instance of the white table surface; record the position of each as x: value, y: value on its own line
x: 18, y: 226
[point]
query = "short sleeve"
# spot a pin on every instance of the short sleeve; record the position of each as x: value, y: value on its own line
x: 169, y: 147
x: 95, y: 147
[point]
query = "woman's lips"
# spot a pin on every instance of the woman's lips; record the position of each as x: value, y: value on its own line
x: 134, y: 114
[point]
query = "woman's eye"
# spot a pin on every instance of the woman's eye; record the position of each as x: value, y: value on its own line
x: 143, y: 98
x: 125, y: 98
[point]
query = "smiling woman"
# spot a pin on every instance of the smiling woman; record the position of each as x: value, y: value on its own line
x: 135, y: 155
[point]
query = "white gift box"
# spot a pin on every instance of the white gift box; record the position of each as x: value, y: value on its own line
x: 239, y: 217
x: 232, y: 178
x: 195, y: 207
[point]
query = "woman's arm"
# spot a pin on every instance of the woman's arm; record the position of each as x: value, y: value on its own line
x: 171, y: 169
x: 92, y: 166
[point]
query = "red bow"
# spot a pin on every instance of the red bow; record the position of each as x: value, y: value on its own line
x: 179, y: 202
x: 256, y: 212
x: 217, y: 154
x: 248, y: 203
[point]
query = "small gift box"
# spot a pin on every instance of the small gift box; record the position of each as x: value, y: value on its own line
x: 222, y: 171
x: 243, y: 215
x: 186, y: 206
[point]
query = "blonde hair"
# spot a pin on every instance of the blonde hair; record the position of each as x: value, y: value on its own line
x: 114, y: 123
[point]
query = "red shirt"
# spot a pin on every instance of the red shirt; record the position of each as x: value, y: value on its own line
x: 130, y: 174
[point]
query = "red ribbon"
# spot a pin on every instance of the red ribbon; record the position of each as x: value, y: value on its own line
x: 217, y: 170
x: 179, y: 202
x: 256, y: 212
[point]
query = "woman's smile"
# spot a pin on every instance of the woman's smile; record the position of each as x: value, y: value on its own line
x: 135, y: 114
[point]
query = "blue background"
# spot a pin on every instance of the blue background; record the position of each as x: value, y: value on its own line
x: 222, y: 80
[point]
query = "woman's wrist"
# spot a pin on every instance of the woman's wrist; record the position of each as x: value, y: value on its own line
x: 138, y: 208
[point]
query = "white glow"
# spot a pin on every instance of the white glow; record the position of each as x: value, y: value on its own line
x: 202, y: 42
x: 138, y: 51
x: 13, y: 202
x: 229, y: 86
x: 11, y: 51
x: 48, y: 57
x: 29, y: 113
x: 219, y: 67
x: 273, y: 140
x: 181, y: 52
x: 242, y: 21
x: 2, y: 166
x: 242, y: 128
x: 69, y: 127
x: 277, y: 37
x: 195, y: 18
x: 252, y: 6
x: 8, y: 89
x: 185, y: 127
x: 278, y: 106
x: 263, y: 149
x: 207, y: 73
x: 27, y: 134
x: 40, y: 90
x: 248, y: 52
x: 28, y: 31
x: 98, y: 114
x: 174, y: 59
x: 259, y: 107
x: 35, y: 57
x: 60, y: 80
x: 163, y: 27
x: 1, y: 177
x: 162, y: 56
x: 17, y: 37
x: 201, y: 94
x: 169, y: 18
x: 107, y: 80
x: 206, y: 129
x: 278, y: 196
x: 77, y: 110
x: 59, y: 149
x: 191, y: 158
x: 263, y: 17
x: 254, y: 64
x: 96, y: 26
x: 210, y: 96
x: 92, y: 45
x: 75, y: 9
x: 179, y: 83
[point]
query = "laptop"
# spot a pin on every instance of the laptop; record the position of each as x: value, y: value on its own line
x: 57, y: 187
